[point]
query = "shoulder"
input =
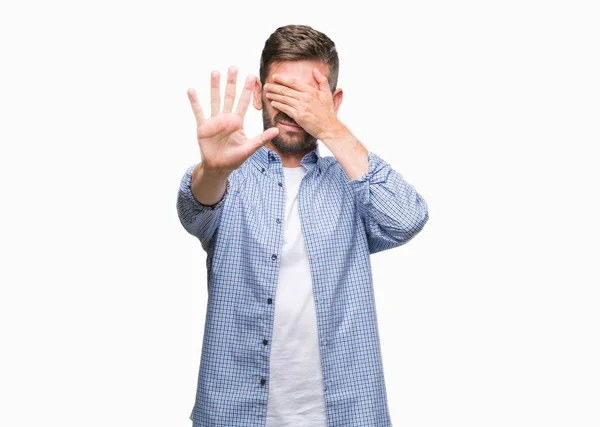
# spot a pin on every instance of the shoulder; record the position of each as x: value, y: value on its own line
x: 239, y: 176
x: 330, y: 166
x: 332, y: 169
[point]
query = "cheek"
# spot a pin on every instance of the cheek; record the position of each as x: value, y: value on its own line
x: 267, y: 104
x: 271, y: 111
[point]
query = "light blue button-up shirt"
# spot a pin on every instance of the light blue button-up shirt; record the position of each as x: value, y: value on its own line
x: 343, y: 222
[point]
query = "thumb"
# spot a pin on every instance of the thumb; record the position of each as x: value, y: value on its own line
x: 321, y: 79
x: 263, y: 138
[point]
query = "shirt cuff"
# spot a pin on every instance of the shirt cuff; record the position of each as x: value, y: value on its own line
x: 376, y: 173
x: 186, y: 192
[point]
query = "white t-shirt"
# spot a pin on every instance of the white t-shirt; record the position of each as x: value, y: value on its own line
x: 296, y: 380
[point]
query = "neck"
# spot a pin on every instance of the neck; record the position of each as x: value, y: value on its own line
x: 288, y: 160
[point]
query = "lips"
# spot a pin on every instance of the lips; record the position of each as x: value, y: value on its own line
x: 290, y: 124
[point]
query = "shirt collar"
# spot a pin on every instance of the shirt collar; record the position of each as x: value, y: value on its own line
x: 264, y: 157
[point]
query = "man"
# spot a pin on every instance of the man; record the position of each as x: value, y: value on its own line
x: 291, y: 334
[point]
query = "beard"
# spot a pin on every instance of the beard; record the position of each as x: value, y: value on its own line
x: 293, y: 142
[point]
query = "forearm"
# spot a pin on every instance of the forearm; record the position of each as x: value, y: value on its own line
x: 208, y: 188
x: 348, y: 151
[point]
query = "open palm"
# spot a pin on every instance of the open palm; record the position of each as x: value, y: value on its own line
x: 224, y: 146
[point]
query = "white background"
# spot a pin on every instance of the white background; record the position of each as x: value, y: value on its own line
x: 489, y: 317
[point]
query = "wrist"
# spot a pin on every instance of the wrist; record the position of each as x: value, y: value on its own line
x: 335, y: 133
x: 211, y: 172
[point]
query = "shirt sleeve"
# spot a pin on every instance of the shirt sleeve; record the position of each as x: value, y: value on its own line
x: 198, y: 219
x: 392, y: 210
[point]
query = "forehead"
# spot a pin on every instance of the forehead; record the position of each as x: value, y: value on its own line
x: 301, y: 70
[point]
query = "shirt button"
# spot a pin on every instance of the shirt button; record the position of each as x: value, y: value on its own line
x: 273, y: 257
x: 278, y: 221
x: 262, y: 170
x: 280, y: 184
x: 265, y: 342
x: 263, y: 381
x: 269, y: 300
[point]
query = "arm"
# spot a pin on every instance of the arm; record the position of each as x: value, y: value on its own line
x: 199, y: 219
x: 224, y: 148
x: 392, y: 210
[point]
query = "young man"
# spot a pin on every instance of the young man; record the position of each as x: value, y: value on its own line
x: 291, y: 330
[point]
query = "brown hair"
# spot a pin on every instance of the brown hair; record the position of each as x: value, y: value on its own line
x: 300, y: 42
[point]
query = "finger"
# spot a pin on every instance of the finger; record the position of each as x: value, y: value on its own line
x: 291, y: 82
x: 321, y: 80
x: 230, y: 89
x: 292, y: 102
x: 282, y: 90
x: 244, y: 100
x: 263, y: 138
x: 290, y: 111
x: 215, y: 93
x: 193, y: 97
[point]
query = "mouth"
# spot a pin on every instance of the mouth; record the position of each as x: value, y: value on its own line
x: 291, y: 126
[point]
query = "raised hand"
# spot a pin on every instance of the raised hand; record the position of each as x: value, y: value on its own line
x: 223, y: 145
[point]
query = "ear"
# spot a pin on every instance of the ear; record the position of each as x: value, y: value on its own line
x: 257, y: 97
x: 338, y: 95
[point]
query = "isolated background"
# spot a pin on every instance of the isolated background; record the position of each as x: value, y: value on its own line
x: 489, y: 317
